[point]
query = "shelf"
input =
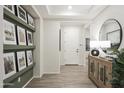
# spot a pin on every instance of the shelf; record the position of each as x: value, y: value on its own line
x: 14, y: 19
x: 8, y: 48
x: 17, y: 74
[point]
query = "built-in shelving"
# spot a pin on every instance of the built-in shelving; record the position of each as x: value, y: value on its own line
x: 14, y: 19
x: 27, y: 72
x: 17, y: 74
x: 8, y: 48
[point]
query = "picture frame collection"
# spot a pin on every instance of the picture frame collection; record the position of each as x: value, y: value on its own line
x: 21, y: 13
x: 23, y: 37
x: 16, y: 61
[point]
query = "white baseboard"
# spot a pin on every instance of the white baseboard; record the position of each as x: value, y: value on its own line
x: 27, y: 82
x: 30, y: 80
x: 37, y: 76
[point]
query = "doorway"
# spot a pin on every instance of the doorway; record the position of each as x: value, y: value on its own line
x: 72, y: 48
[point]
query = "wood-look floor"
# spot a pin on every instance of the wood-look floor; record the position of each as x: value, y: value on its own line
x: 70, y: 77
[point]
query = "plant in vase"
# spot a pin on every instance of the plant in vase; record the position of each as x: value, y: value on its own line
x: 118, y: 69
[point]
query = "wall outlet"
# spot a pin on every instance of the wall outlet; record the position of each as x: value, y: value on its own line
x: 19, y: 79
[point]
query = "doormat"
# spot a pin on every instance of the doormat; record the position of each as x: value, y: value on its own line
x: 71, y: 65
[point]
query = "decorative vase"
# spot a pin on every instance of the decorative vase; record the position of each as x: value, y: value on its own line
x: 95, y: 52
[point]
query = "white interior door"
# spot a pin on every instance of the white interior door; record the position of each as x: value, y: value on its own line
x: 72, y: 48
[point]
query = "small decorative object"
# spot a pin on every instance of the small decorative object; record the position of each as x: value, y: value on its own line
x: 95, y: 52
x: 21, y: 60
x: 21, y: 36
x: 29, y: 57
x: 97, y: 45
x: 29, y: 38
x: 21, y: 13
x: 30, y: 20
x: 10, y: 8
x: 9, y: 33
x: 9, y: 65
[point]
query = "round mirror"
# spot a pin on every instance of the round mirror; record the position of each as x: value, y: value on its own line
x: 111, y: 30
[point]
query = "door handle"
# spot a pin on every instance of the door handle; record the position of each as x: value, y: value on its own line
x: 77, y: 50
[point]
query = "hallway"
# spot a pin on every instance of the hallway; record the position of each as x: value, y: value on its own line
x: 70, y: 77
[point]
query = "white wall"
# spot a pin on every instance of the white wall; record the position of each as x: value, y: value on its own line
x: 51, y: 46
x: 1, y: 46
x: 115, y: 12
x: 38, y: 52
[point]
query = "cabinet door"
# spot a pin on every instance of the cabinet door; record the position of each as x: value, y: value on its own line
x: 96, y: 72
x: 107, y: 75
x: 101, y: 72
x: 92, y: 67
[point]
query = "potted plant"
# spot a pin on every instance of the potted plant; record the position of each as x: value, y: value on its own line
x: 118, y: 69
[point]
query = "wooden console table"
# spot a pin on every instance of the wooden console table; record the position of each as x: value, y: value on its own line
x: 100, y: 71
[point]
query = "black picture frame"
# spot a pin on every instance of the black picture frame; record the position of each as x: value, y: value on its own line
x: 21, y: 13
x: 29, y: 56
x: 9, y: 33
x: 21, y: 33
x: 10, y: 8
x: 21, y: 60
x: 29, y: 38
x: 9, y: 64
x: 31, y: 20
x: 87, y: 40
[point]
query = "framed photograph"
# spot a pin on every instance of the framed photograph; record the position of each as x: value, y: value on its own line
x: 31, y: 20
x: 10, y: 8
x: 9, y: 64
x: 21, y: 60
x: 87, y: 40
x: 29, y: 57
x: 21, y: 35
x: 9, y: 33
x: 29, y: 38
x: 21, y: 13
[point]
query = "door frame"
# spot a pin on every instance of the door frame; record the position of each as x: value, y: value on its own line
x: 62, y: 48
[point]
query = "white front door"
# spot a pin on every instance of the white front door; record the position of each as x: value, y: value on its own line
x: 72, y: 45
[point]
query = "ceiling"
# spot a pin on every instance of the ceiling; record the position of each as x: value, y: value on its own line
x: 62, y: 10
x: 82, y: 13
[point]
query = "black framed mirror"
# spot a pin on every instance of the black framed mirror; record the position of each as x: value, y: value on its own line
x: 111, y: 30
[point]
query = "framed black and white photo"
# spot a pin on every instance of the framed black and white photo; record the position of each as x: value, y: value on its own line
x: 21, y: 60
x: 31, y: 20
x: 9, y: 33
x: 29, y: 57
x: 21, y: 35
x: 9, y: 64
x: 21, y: 13
x: 29, y: 38
x: 87, y: 40
x: 10, y: 8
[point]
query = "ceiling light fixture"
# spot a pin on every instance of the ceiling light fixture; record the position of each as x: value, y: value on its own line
x: 69, y: 7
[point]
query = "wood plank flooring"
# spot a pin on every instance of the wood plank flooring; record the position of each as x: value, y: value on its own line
x: 70, y: 77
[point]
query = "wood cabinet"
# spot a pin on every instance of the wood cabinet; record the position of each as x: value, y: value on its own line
x: 100, y: 71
